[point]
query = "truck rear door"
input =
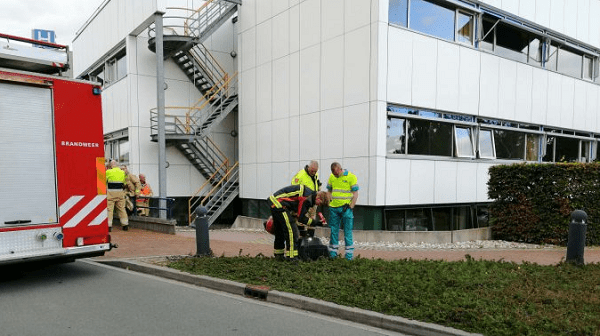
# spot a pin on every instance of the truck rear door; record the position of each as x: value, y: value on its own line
x: 27, y: 156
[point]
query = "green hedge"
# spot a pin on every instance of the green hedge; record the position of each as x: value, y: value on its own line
x: 532, y: 203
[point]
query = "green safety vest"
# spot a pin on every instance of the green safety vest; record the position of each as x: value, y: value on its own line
x: 341, y: 188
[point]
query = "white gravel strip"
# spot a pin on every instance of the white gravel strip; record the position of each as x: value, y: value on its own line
x: 390, y: 246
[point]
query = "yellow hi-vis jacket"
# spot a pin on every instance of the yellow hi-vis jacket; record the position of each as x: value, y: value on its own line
x: 341, y: 188
x: 115, y: 178
x: 310, y: 181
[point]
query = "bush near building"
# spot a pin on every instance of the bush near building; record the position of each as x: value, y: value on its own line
x: 533, y: 203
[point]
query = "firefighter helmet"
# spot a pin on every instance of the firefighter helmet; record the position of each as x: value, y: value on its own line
x: 269, y: 226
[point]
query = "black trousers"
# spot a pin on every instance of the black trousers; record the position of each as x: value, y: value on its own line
x: 286, y: 233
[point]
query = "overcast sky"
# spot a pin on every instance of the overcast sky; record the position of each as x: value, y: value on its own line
x: 65, y: 17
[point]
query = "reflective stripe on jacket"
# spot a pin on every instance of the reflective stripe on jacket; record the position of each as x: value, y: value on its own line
x: 294, y: 198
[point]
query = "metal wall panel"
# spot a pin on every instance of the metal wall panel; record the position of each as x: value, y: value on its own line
x: 27, y: 165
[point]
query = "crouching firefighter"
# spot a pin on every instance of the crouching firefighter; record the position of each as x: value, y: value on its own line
x: 288, y: 206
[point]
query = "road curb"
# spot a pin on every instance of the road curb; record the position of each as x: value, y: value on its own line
x: 394, y: 323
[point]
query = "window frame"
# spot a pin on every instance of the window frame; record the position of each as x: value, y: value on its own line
x: 588, y: 142
x: 471, y: 140
x: 459, y: 11
x: 457, y: 7
x: 493, y: 156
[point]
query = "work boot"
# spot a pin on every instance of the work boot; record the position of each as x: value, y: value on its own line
x: 125, y: 227
x: 279, y: 257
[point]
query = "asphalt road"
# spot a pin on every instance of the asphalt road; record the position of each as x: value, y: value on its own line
x: 86, y: 298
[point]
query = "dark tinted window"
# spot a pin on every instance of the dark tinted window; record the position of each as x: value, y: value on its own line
x: 427, y: 137
x: 567, y: 150
x: 509, y: 144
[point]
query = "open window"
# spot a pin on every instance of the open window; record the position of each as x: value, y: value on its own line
x: 463, y: 140
x: 486, y: 144
x: 508, y: 40
x: 117, y: 146
x: 567, y: 149
x: 449, y: 20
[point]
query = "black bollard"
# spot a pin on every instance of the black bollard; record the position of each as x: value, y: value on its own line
x: 201, y: 224
x: 576, y: 242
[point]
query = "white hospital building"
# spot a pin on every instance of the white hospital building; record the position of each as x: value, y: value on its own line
x: 418, y: 98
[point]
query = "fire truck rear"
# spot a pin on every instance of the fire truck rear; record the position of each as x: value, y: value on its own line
x: 52, y: 170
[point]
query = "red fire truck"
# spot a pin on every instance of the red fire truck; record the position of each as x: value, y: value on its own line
x: 52, y: 172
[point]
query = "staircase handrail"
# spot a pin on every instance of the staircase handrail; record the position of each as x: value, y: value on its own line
x: 204, y: 16
x: 216, y: 187
x: 195, y: 199
x: 224, y: 179
x: 195, y: 11
x: 222, y: 88
x: 179, y: 126
x: 205, y: 59
x: 207, y: 62
x: 212, y: 154
x: 219, y: 152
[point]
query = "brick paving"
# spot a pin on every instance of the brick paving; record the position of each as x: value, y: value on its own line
x: 141, y: 243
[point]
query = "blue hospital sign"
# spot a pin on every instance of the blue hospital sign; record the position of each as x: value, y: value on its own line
x: 44, y: 35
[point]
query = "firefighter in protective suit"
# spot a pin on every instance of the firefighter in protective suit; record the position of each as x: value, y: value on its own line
x: 115, y: 179
x: 132, y: 188
x: 288, y: 206
x: 144, y: 202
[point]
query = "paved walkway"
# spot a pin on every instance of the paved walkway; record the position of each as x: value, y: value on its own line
x: 142, y: 243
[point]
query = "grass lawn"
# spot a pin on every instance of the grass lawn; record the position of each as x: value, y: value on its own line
x: 488, y: 297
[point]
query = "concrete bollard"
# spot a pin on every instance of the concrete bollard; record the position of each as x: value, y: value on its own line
x: 202, y: 239
x: 576, y: 242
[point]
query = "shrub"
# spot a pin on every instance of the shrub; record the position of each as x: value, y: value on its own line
x: 533, y: 203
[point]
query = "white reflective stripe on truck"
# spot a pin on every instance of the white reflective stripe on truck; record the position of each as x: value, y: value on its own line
x: 85, y: 211
x: 99, y: 219
x: 69, y: 204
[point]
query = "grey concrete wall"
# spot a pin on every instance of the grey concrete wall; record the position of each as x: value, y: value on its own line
x: 153, y: 224
x: 432, y: 237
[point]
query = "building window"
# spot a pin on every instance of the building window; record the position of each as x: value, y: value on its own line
x: 433, y: 19
x: 463, y: 138
x: 566, y: 149
x: 588, y: 68
x: 504, y: 35
x: 396, y: 136
x: 117, y: 146
x: 437, y: 18
x: 510, y: 145
x: 565, y: 61
x: 398, y: 12
x: 414, y: 131
x: 111, y: 70
x: 427, y: 137
x: 440, y: 218
x: 417, y: 132
x: 508, y: 41
x: 486, y: 144
x: 464, y: 27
